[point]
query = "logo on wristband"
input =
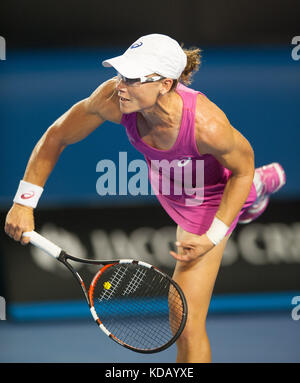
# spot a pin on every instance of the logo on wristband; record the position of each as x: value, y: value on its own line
x: 27, y: 195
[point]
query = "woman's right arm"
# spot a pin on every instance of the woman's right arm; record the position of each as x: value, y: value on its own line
x: 73, y: 126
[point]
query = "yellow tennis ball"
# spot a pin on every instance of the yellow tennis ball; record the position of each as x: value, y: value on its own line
x: 107, y: 285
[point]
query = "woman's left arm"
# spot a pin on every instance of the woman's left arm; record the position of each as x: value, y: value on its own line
x: 235, y: 153
x: 217, y: 137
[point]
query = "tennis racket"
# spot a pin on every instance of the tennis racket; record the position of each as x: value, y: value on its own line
x: 134, y: 303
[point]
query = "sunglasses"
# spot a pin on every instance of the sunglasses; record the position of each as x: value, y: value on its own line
x: 138, y: 81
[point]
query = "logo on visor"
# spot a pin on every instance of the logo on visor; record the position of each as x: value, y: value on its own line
x: 136, y: 45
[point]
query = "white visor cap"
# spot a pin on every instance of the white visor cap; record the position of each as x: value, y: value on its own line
x: 153, y: 53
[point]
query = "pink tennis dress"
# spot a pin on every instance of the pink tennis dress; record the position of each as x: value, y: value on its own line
x: 188, y: 185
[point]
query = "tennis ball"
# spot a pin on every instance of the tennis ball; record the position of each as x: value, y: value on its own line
x: 107, y: 285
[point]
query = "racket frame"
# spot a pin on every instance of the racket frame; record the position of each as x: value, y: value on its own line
x: 63, y: 257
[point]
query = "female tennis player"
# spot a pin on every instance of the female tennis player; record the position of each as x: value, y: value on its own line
x: 166, y: 120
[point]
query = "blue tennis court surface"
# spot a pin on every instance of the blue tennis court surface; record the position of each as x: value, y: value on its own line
x: 258, y: 337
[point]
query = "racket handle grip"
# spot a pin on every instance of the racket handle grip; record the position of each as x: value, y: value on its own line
x: 43, y: 243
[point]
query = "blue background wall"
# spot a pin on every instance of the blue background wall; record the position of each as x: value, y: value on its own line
x: 258, y: 89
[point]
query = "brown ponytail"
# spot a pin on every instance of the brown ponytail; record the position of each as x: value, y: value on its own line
x: 192, y: 66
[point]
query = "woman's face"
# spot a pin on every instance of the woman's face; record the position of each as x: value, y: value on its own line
x: 137, y: 96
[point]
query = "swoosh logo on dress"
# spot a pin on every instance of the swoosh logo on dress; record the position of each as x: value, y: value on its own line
x: 184, y: 161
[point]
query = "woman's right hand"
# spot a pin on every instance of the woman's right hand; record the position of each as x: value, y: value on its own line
x: 19, y: 219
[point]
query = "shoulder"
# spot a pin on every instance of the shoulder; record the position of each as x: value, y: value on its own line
x: 213, y: 131
x: 105, y: 101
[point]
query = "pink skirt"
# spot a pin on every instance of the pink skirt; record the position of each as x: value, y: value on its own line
x: 197, y: 219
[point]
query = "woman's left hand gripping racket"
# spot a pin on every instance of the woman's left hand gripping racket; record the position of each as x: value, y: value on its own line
x: 134, y: 303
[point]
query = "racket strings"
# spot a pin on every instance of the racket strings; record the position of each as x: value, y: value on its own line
x: 115, y: 282
x: 135, y: 282
x: 137, y: 337
x: 140, y: 334
x: 143, y: 308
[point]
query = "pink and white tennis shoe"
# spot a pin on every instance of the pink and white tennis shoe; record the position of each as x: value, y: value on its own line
x: 269, y: 179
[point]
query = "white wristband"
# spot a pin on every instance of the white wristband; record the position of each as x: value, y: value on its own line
x: 217, y: 231
x: 28, y: 194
